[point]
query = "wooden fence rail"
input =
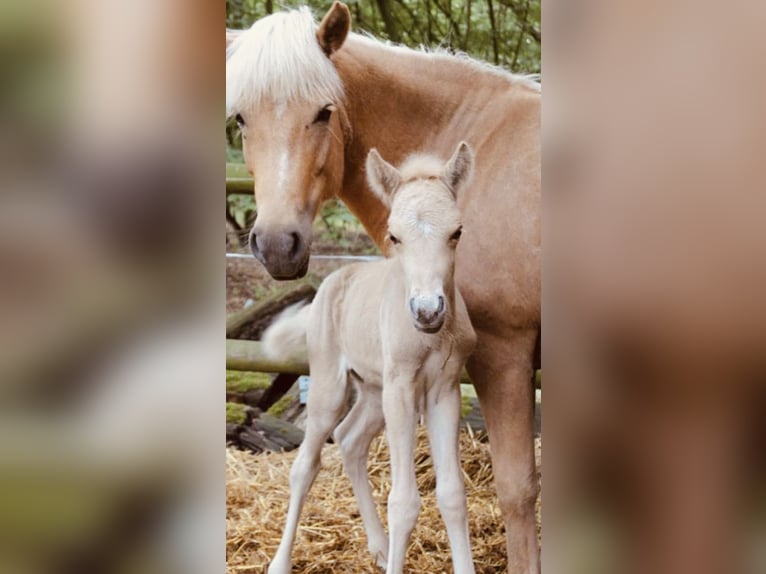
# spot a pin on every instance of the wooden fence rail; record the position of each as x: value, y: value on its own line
x: 242, y: 355
x: 239, y: 185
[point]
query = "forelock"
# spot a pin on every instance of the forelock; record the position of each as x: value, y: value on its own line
x: 424, y: 204
x: 279, y: 58
x: 421, y: 166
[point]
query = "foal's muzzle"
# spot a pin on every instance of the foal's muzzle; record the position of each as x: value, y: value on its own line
x: 428, y: 312
x: 285, y: 254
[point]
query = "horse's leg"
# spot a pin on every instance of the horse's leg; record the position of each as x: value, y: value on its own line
x: 404, y: 499
x: 353, y: 435
x: 501, y: 370
x: 443, y: 420
x: 326, y: 402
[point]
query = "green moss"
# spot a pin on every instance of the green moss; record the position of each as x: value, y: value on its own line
x: 278, y: 408
x: 235, y: 413
x: 466, y: 406
x: 241, y: 381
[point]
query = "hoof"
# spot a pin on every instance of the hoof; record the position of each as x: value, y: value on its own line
x: 275, y: 568
x: 381, y: 560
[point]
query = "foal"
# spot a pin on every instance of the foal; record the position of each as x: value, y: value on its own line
x: 399, y: 328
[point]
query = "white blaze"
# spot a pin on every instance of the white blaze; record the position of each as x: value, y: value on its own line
x: 284, y: 160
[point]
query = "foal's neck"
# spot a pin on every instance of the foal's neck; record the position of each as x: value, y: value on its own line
x: 402, y: 101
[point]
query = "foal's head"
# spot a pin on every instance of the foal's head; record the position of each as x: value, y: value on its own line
x: 287, y: 97
x: 424, y: 226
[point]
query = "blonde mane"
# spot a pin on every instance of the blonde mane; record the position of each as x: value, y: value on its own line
x: 440, y: 54
x: 279, y: 58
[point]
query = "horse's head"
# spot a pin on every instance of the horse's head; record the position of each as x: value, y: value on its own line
x: 424, y: 226
x: 287, y: 97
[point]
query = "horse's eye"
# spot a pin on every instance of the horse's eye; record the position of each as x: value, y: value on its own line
x: 240, y: 120
x: 323, y: 116
x: 458, y: 232
x: 393, y: 239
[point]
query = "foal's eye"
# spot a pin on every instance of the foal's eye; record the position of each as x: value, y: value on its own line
x: 240, y: 120
x: 324, y: 115
x: 456, y: 235
x: 393, y: 239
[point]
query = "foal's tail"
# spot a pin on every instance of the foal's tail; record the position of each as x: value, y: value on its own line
x: 285, y: 338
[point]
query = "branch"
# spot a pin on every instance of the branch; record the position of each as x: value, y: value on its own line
x: 520, y: 13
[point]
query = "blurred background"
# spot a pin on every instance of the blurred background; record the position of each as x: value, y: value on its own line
x: 110, y: 286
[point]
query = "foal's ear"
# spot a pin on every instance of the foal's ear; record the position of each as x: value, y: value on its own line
x: 334, y: 28
x: 459, y: 169
x: 383, y: 178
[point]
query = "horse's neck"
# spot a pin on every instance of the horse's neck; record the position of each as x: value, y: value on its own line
x: 400, y: 102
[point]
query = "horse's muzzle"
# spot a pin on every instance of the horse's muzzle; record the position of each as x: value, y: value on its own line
x: 285, y: 255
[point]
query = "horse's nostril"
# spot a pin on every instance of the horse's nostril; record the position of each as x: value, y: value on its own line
x: 296, y: 245
x: 441, y: 305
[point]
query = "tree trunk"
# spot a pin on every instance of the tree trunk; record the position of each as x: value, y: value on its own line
x: 388, y: 21
x: 495, y: 50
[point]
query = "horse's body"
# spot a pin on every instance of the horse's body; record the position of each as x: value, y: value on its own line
x: 373, y: 323
x: 401, y: 101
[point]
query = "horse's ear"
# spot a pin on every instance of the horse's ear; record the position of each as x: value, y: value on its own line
x: 383, y: 178
x: 334, y: 28
x: 459, y: 169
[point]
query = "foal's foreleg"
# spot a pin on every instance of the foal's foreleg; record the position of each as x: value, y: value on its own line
x: 353, y: 435
x: 327, y: 399
x: 404, y: 499
x: 443, y: 420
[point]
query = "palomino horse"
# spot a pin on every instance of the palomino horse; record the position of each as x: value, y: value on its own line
x: 400, y: 329
x: 313, y: 100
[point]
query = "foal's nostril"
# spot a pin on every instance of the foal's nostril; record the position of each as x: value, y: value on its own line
x: 440, y: 309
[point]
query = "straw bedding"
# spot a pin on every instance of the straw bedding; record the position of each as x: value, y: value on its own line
x: 331, y: 537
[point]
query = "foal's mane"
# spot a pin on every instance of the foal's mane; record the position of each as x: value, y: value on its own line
x: 279, y: 58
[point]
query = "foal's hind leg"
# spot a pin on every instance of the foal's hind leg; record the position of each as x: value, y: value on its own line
x: 443, y: 421
x: 326, y: 402
x: 353, y: 435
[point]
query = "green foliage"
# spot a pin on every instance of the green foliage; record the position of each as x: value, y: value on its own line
x: 241, y: 381
x: 234, y: 155
x: 242, y: 208
x: 338, y: 220
x: 278, y: 408
x: 235, y: 413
